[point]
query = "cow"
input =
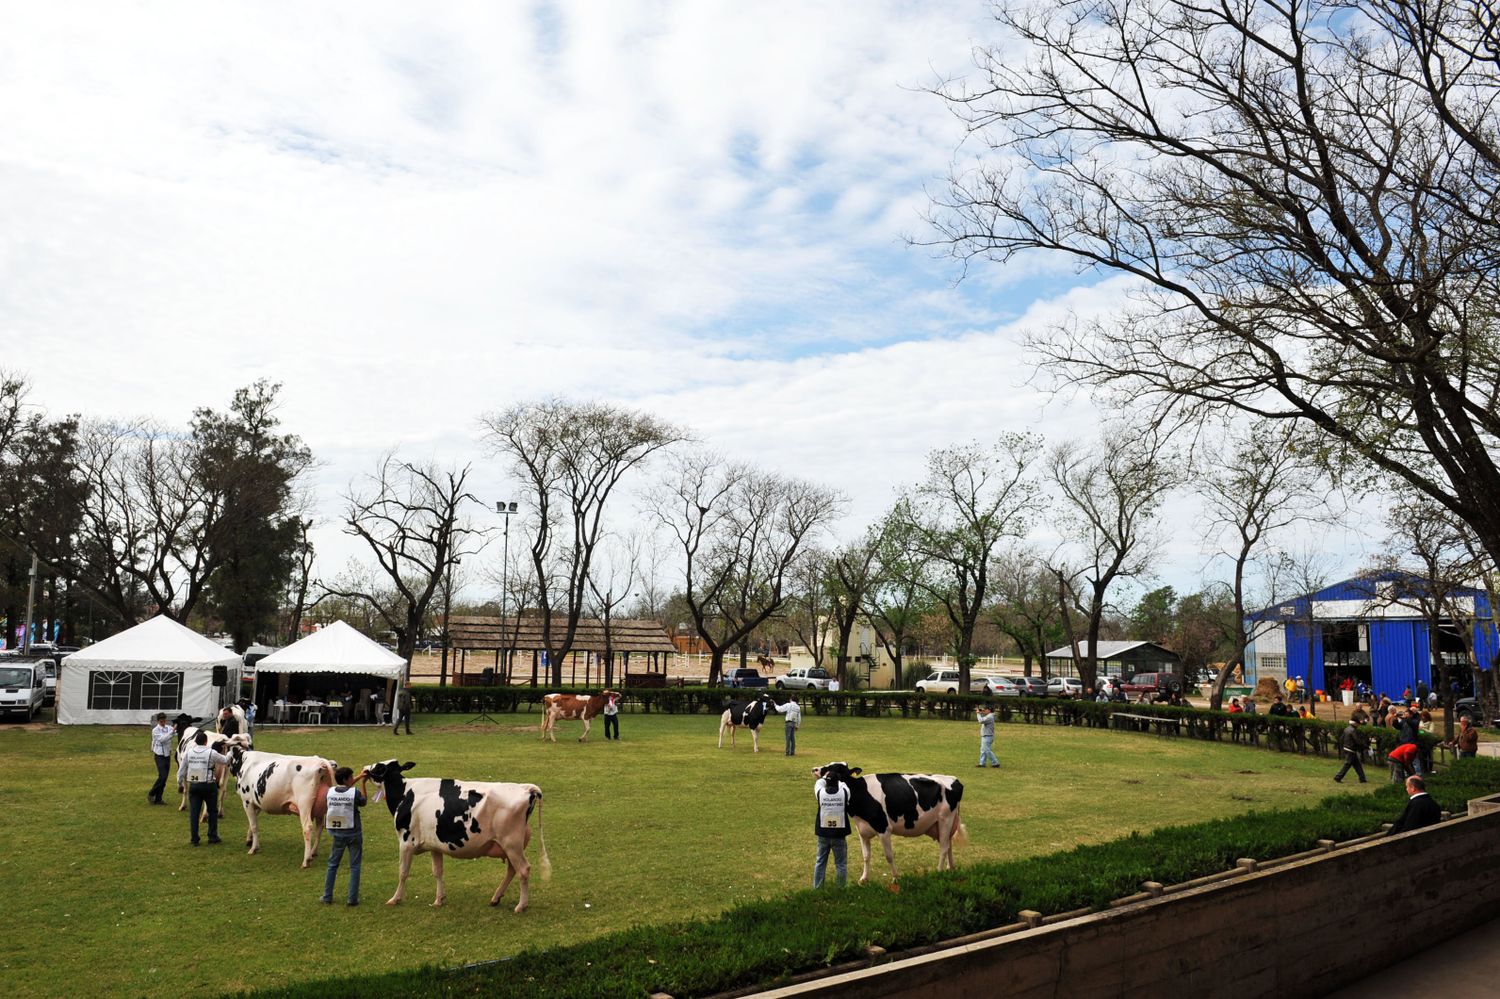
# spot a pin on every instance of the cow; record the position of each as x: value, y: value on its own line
x: 751, y: 716
x: 464, y: 819
x: 570, y: 707
x: 283, y: 785
x: 219, y: 743
x: 902, y: 805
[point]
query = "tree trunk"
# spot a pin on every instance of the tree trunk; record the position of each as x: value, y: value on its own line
x: 715, y: 664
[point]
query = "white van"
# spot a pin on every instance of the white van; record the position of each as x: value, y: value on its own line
x: 23, y: 688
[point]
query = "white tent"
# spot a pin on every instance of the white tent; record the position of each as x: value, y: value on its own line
x: 158, y: 665
x: 337, y: 648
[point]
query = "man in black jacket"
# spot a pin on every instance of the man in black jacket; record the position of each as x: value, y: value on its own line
x: 1351, y: 747
x: 1421, y: 810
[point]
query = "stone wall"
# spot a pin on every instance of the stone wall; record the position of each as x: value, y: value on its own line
x: 1300, y: 929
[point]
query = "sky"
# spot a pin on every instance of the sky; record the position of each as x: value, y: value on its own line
x: 411, y: 215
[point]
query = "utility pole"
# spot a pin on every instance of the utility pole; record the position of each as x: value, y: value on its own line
x: 30, y: 606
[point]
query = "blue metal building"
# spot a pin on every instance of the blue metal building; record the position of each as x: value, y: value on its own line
x: 1370, y: 629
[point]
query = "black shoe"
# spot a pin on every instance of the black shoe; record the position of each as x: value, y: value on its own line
x: 195, y: 842
x: 326, y: 901
x: 1338, y: 780
x: 214, y: 839
x: 351, y: 904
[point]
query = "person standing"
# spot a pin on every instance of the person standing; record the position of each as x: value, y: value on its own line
x: 1421, y: 810
x: 402, y: 709
x: 832, y: 829
x: 1351, y: 747
x: 199, y: 765
x: 342, y: 823
x: 987, y: 737
x: 793, y: 712
x: 612, y: 716
x: 228, y: 723
x: 1466, y: 739
x: 161, y: 752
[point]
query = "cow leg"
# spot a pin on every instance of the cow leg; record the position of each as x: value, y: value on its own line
x: 890, y: 857
x: 437, y: 877
x: 587, y: 724
x: 515, y: 860
x: 755, y: 738
x: 721, y: 736
x: 510, y: 872
x: 864, y: 852
x: 309, y: 843
x: 252, y: 829
x: 404, y: 868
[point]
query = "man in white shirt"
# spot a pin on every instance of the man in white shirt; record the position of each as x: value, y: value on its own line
x: 612, y: 716
x: 161, y: 752
x: 793, y: 714
x: 199, y: 767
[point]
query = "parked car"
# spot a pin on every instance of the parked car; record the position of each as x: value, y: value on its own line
x: 50, y: 666
x: 804, y: 678
x: 23, y: 687
x: 1153, y: 683
x: 994, y: 686
x: 940, y: 681
x: 1471, y: 707
x: 1064, y: 686
x: 747, y: 676
x: 1030, y: 686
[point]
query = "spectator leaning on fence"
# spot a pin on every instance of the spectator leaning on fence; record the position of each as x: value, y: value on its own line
x: 1466, y: 739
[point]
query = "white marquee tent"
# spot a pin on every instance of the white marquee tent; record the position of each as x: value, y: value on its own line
x: 158, y: 665
x: 335, y: 649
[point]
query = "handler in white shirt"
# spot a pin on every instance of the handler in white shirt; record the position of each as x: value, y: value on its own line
x: 161, y: 752
x: 793, y: 722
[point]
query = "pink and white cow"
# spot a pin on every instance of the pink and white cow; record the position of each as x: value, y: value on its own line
x: 465, y: 819
x: 901, y: 805
x: 572, y: 707
x: 284, y: 785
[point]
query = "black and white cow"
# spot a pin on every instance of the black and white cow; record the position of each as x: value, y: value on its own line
x: 219, y: 743
x: 273, y: 784
x: 739, y: 714
x: 901, y: 805
x: 464, y: 819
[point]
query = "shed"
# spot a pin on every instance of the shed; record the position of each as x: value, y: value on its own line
x: 158, y: 665
x: 637, y: 642
x: 1117, y: 658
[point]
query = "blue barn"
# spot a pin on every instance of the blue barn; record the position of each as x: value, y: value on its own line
x: 1370, y: 629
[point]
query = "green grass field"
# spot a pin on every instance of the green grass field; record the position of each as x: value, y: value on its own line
x: 105, y: 895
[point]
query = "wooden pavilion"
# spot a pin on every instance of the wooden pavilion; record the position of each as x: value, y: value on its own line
x: 597, y: 647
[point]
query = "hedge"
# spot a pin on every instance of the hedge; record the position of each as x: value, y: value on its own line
x: 1292, y: 735
x: 764, y: 943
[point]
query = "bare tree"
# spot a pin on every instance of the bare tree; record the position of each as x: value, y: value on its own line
x: 300, y: 585
x: 973, y: 497
x: 807, y: 608
x: 411, y: 518
x: 1026, y: 607
x: 740, y: 532
x: 1255, y: 480
x: 1110, y: 496
x: 612, y: 582
x: 571, y: 458
x: 896, y: 598
x: 1307, y: 194
x: 851, y: 572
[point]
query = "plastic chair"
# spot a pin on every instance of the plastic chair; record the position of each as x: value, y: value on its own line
x: 313, y: 716
x: 278, y: 710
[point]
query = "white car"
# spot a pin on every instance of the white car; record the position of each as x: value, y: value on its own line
x: 940, y: 681
x: 23, y: 688
x: 1064, y: 686
x: 804, y: 678
x: 994, y: 686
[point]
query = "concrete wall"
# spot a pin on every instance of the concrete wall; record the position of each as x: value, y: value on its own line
x: 1302, y: 929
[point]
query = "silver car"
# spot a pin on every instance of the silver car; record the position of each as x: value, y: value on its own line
x: 1064, y: 686
x: 994, y: 686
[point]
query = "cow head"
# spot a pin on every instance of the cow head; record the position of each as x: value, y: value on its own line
x: 838, y: 770
x: 386, y: 769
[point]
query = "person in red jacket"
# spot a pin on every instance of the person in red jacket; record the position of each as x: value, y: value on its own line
x: 1403, y: 761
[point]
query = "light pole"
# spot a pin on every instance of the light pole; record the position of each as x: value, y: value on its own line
x: 505, y: 510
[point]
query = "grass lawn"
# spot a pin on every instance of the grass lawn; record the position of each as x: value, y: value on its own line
x: 105, y: 895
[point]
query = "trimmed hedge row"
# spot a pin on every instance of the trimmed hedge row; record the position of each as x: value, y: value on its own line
x: 1293, y: 735
x: 764, y: 943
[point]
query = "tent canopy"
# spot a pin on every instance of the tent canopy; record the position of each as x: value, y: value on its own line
x: 337, y: 648
x: 151, y: 645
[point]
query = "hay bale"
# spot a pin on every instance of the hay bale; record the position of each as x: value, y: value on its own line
x: 1266, y: 689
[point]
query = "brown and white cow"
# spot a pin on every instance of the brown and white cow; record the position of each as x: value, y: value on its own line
x: 739, y: 714
x: 465, y: 819
x: 283, y: 785
x: 571, y: 707
x: 902, y: 805
x: 219, y: 743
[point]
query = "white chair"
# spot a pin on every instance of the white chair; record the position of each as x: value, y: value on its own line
x: 278, y: 710
x: 313, y: 715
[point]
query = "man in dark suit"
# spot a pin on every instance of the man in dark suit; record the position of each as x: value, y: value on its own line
x: 1421, y: 810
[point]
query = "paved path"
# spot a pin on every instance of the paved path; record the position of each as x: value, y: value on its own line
x: 1463, y: 966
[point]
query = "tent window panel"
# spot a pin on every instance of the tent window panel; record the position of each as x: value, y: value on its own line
x: 109, y: 690
x: 161, y: 691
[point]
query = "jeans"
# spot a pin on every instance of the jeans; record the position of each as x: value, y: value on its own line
x: 791, y: 739
x: 611, y: 724
x: 839, y: 847
x: 986, y: 753
x: 399, y: 717
x: 204, y: 794
x: 162, y: 763
x: 352, y: 841
x: 1465, y: 755
x: 1351, y: 760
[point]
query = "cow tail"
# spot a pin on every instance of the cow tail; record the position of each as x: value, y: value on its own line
x: 546, y: 864
x: 960, y: 835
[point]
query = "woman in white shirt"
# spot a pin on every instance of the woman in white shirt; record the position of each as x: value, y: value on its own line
x: 161, y: 751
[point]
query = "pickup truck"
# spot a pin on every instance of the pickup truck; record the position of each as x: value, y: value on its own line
x: 804, y: 678
x: 1153, y: 683
x: 745, y: 677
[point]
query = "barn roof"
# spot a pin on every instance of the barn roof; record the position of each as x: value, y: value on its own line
x: 525, y: 633
x: 1114, y: 650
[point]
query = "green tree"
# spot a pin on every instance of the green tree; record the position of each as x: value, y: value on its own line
x: 1154, y: 616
